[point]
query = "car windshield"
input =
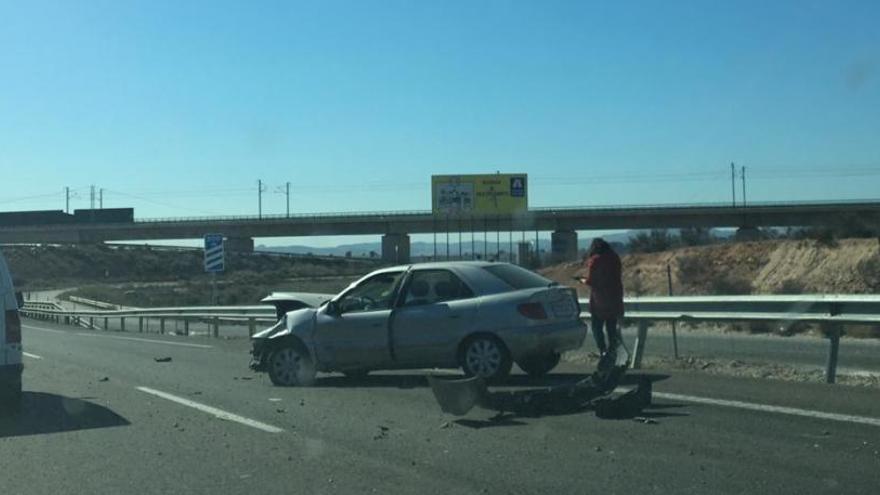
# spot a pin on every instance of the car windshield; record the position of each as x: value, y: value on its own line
x: 517, y: 277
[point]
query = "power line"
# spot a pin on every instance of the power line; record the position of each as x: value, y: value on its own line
x: 158, y: 203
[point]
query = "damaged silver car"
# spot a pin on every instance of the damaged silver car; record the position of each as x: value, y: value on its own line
x: 479, y: 316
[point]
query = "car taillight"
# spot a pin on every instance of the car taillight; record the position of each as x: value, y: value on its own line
x: 13, y: 327
x: 532, y: 310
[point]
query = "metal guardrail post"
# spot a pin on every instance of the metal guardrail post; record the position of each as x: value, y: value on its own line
x: 162, y: 326
x: 639, y: 348
x: 106, y: 323
x: 186, y: 326
x: 216, y: 325
x: 141, y: 324
x: 252, y: 326
x: 833, y: 331
x: 91, y: 322
x: 122, y: 324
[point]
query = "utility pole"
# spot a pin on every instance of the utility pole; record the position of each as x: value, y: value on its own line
x: 101, y: 198
x: 744, y: 184
x: 260, y: 189
x: 92, y: 197
x: 66, y: 199
x: 733, y: 182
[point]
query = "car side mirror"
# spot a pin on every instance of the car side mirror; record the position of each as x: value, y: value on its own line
x: 332, y: 308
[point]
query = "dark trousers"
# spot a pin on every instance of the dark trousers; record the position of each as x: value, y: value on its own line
x: 610, y: 325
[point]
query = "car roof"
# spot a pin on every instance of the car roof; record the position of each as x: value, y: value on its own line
x: 444, y: 264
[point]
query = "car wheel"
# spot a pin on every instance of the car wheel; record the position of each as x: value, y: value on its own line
x: 485, y: 356
x: 290, y: 366
x: 539, y: 365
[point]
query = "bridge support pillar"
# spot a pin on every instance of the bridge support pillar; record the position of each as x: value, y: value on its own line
x: 564, y: 246
x: 524, y: 255
x: 395, y: 248
x: 239, y: 244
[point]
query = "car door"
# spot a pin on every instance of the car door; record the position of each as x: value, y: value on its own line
x: 356, y: 334
x: 435, y: 310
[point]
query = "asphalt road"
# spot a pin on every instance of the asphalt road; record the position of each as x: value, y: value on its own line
x: 804, y: 352
x: 101, y: 415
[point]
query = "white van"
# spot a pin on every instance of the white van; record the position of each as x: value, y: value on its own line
x: 10, y: 342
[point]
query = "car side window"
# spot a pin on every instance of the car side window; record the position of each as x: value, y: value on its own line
x: 433, y: 286
x: 374, y: 294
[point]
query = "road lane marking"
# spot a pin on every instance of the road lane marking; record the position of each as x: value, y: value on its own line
x: 136, y: 339
x: 213, y: 411
x: 792, y: 411
x: 32, y: 356
x: 41, y: 329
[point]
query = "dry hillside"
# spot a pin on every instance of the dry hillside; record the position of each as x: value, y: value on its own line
x: 763, y: 267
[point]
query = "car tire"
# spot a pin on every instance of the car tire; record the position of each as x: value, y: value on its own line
x: 540, y: 365
x: 291, y: 366
x: 485, y: 356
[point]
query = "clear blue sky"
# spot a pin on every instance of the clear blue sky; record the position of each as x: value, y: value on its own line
x: 178, y: 107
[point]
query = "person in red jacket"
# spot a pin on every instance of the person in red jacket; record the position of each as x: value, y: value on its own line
x: 604, y: 276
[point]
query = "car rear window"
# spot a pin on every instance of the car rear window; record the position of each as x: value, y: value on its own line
x: 517, y: 277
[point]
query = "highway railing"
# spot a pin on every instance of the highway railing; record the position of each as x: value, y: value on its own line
x: 561, y: 209
x: 100, y: 319
x: 832, y: 312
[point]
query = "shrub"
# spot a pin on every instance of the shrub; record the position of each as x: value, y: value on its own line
x: 870, y: 271
x: 696, y: 236
x: 652, y: 242
x: 790, y: 286
x: 693, y: 269
x: 730, y: 285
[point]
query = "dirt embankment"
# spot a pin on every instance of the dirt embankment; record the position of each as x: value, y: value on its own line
x: 848, y: 266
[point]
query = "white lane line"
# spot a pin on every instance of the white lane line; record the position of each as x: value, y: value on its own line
x: 32, y: 356
x: 213, y: 411
x: 136, y: 339
x: 41, y: 329
x: 793, y: 411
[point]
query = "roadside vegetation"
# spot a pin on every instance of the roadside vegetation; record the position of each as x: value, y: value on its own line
x: 145, y: 276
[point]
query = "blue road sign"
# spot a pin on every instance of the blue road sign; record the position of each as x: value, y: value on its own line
x: 517, y: 187
x: 214, y: 257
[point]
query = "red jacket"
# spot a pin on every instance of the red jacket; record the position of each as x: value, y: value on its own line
x: 604, y: 276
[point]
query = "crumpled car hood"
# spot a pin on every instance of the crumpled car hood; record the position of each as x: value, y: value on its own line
x: 293, y: 322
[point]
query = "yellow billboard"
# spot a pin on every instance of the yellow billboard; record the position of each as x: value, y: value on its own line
x: 491, y: 194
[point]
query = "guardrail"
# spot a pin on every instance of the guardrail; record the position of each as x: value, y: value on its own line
x: 93, y: 303
x: 405, y: 213
x: 213, y: 314
x: 832, y: 312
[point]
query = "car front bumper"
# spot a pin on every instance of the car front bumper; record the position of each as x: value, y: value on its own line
x: 258, y: 355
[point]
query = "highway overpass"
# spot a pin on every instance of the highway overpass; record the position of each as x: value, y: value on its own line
x: 395, y: 227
